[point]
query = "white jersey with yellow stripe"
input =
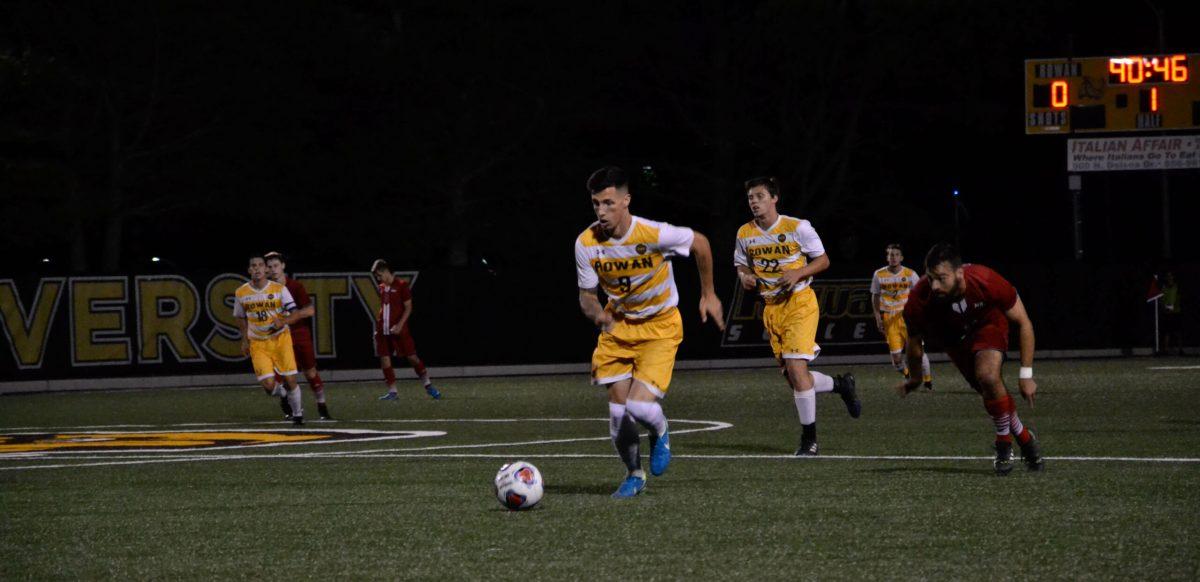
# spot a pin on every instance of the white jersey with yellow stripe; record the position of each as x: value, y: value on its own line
x: 634, y: 271
x: 893, y: 288
x: 785, y: 246
x: 259, y: 307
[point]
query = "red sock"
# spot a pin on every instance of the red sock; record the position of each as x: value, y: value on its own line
x: 999, y: 410
x: 1014, y: 423
x: 389, y: 376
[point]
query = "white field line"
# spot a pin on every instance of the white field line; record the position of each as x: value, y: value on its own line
x: 1173, y: 368
x: 535, y: 455
x: 424, y: 452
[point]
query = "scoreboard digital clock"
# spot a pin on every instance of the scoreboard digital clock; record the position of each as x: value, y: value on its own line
x: 1112, y: 94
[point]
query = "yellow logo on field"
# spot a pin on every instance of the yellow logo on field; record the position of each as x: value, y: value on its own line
x: 93, y: 441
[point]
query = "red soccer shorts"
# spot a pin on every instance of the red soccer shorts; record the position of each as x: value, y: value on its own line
x: 988, y: 337
x: 400, y: 344
x: 306, y: 357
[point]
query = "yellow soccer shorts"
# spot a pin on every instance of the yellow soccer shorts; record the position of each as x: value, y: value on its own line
x: 640, y: 349
x: 273, y: 355
x: 792, y: 326
x: 895, y: 331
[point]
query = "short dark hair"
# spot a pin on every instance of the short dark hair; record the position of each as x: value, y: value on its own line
x: 278, y: 256
x: 380, y: 266
x: 894, y: 246
x: 607, y: 177
x: 942, y: 253
x: 256, y: 256
x: 768, y: 182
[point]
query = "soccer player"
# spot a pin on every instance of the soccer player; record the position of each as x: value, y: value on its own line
x: 629, y: 257
x: 778, y: 256
x: 968, y: 308
x: 392, y: 337
x: 889, y: 292
x: 264, y: 309
x: 302, y: 343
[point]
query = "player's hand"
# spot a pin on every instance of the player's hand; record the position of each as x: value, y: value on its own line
x: 245, y: 347
x: 879, y: 324
x: 1028, y: 389
x: 749, y: 282
x: 395, y: 329
x: 710, y: 305
x: 789, y: 279
x: 604, y: 320
x: 904, y: 387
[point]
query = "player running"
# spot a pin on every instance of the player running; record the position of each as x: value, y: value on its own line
x: 263, y: 309
x: 629, y: 257
x: 889, y: 292
x: 302, y: 343
x: 392, y: 337
x: 968, y: 307
x: 778, y: 255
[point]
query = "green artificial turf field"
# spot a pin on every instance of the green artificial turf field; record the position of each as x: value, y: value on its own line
x: 734, y: 503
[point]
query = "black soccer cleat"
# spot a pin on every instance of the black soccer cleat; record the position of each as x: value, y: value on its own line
x: 807, y: 448
x: 1031, y: 454
x: 285, y: 407
x: 845, y: 386
x: 929, y: 385
x: 1003, y: 464
x: 298, y: 420
x: 323, y: 411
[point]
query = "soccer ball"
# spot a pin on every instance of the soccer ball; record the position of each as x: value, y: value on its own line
x: 519, y: 486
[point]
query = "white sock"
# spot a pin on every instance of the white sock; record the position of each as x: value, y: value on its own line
x: 649, y: 414
x: 293, y: 396
x: 806, y: 405
x: 822, y: 382
x: 900, y: 366
x: 925, y: 364
x: 279, y: 391
x: 425, y: 379
x: 320, y: 394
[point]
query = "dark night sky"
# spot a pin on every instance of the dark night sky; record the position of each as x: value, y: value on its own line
x: 438, y: 133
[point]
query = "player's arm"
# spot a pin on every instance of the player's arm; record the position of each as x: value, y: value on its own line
x: 408, y: 307
x: 878, y: 315
x: 589, y: 303
x: 745, y: 273
x: 1020, y: 318
x: 710, y: 304
x: 242, y: 329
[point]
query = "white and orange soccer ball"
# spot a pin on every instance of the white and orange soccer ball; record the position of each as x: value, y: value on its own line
x: 519, y: 485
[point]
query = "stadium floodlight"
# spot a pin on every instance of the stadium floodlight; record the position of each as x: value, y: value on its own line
x: 154, y: 259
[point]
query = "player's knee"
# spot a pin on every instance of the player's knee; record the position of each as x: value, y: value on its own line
x: 989, y: 382
x: 268, y: 385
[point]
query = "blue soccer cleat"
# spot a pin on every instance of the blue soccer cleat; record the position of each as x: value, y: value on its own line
x: 389, y: 396
x: 630, y: 487
x: 433, y: 392
x: 660, y: 455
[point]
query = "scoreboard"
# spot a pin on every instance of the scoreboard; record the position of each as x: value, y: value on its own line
x: 1112, y: 94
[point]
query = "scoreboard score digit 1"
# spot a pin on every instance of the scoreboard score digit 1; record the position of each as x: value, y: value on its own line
x: 1112, y: 94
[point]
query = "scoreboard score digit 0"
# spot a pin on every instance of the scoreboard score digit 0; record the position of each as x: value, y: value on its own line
x: 1113, y: 94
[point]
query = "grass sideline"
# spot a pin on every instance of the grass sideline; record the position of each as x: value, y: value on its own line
x: 732, y: 506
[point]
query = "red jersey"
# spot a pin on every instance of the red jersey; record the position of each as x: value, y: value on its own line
x: 302, y: 328
x: 392, y: 298
x: 986, y: 296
